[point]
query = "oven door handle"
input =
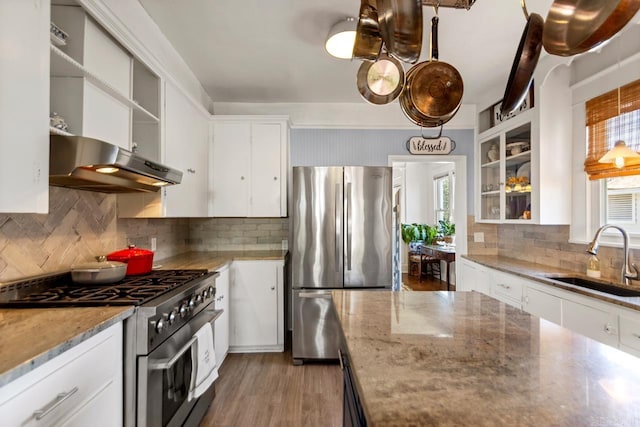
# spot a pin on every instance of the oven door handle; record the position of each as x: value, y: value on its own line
x: 164, y: 364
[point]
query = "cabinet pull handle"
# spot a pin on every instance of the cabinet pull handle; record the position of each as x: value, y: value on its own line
x: 57, y: 401
x: 504, y: 286
x: 191, y: 170
x: 340, y: 359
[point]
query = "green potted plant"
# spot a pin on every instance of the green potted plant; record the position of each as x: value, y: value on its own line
x: 413, y: 234
x: 447, y: 230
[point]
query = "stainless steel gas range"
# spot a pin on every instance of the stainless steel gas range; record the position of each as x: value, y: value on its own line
x: 171, y: 305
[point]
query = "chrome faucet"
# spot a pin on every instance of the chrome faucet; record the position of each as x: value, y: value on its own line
x: 629, y: 271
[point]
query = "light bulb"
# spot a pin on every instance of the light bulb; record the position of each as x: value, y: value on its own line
x: 619, y: 162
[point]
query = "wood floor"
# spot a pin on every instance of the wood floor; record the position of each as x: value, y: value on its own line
x: 265, y: 389
x: 428, y: 283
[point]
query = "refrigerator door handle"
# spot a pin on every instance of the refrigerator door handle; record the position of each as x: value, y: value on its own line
x: 324, y: 295
x: 348, y: 224
x: 338, y: 227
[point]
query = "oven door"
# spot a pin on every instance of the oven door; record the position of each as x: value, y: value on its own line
x: 164, y: 376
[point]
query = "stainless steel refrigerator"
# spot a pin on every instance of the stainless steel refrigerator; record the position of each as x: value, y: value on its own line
x: 341, y: 239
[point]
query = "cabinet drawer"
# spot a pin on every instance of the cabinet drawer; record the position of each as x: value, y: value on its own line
x: 541, y: 304
x: 45, y: 396
x: 507, y: 288
x: 592, y: 322
x: 630, y: 332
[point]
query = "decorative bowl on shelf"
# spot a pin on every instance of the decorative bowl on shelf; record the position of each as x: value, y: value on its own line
x: 57, y: 35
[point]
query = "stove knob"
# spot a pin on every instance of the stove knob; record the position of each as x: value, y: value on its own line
x: 171, y: 317
x: 192, y: 303
x: 199, y: 299
x: 211, y: 291
x: 160, y: 326
x: 183, y: 310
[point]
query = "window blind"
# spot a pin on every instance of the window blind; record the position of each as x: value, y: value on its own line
x: 620, y: 208
x: 611, y: 117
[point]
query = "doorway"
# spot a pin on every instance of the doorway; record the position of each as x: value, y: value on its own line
x: 415, y: 189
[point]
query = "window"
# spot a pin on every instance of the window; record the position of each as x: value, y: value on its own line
x: 443, y: 191
x: 622, y: 202
x: 612, y: 117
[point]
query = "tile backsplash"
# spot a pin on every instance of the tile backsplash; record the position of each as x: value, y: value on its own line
x: 79, y: 225
x: 231, y: 234
x: 543, y: 244
x: 82, y: 224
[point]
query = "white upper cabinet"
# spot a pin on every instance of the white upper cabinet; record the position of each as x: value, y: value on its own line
x: 100, y: 89
x: 187, y: 149
x: 24, y: 109
x: 523, y: 164
x: 249, y: 166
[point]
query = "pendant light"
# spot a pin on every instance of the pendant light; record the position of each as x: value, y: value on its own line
x: 341, y: 38
x: 620, y: 152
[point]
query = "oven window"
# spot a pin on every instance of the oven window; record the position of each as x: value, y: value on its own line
x: 175, y: 387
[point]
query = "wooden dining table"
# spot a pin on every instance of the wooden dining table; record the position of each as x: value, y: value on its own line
x: 442, y: 252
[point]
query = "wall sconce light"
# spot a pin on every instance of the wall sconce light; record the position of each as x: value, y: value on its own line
x: 341, y: 38
x: 618, y: 154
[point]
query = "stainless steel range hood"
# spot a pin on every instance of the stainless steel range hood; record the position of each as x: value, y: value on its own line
x: 90, y: 164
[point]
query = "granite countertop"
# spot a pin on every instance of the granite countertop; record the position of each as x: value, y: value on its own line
x: 214, y: 260
x: 462, y: 358
x: 539, y: 273
x: 30, y: 337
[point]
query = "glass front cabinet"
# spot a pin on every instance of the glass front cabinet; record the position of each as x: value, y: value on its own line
x: 505, y: 180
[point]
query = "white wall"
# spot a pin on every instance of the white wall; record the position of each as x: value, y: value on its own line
x: 419, y: 200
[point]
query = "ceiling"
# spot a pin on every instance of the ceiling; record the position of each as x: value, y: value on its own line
x: 261, y: 51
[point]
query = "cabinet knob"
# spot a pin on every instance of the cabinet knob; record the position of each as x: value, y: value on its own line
x: 273, y: 288
x: 608, y: 328
x: 242, y: 178
x: 275, y: 178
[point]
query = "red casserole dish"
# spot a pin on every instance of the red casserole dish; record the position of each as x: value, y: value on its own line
x: 139, y: 261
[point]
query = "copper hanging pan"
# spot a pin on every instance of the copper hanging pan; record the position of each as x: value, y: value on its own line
x: 368, y: 39
x: 433, y: 91
x: 524, y: 63
x: 576, y: 26
x: 381, y: 81
x: 400, y: 24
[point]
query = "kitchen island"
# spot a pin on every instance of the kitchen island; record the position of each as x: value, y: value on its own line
x: 463, y: 358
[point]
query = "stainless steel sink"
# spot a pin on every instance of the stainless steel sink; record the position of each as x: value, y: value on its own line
x: 597, y: 286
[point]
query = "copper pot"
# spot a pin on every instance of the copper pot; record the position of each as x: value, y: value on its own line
x: 524, y: 63
x: 400, y: 24
x: 368, y: 39
x: 576, y: 26
x: 433, y: 89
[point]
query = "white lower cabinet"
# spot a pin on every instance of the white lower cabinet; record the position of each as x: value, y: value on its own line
x: 507, y: 288
x: 630, y: 332
x: 599, y: 324
x: 257, y: 306
x: 542, y: 304
x: 472, y: 277
x: 80, y: 387
x: 221, y: 332
x: 605, y: 322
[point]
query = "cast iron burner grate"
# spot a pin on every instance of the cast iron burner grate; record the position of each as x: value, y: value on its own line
x: 61, y: 292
